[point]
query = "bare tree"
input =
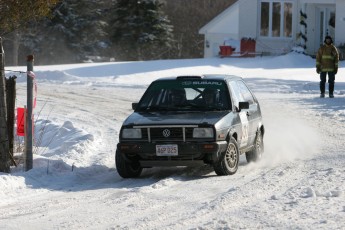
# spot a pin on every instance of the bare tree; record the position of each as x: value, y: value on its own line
x: 187, y: 17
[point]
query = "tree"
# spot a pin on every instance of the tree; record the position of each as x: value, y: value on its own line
x: 126, y: 29
x: 74, y: 30
x: 14, y: 14
x: 140, y: 29
x: 188, y: 16
x: 77, y: 30
x: 14, y: 17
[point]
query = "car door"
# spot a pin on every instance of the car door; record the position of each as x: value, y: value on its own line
x: 252, y: 113
x: 236, y: 96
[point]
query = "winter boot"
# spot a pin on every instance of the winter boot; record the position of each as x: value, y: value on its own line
x: 331, y: 89
x: 322, y: 88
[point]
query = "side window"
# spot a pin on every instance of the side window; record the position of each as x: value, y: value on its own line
x: 236, y: 94
x: 245, y: 92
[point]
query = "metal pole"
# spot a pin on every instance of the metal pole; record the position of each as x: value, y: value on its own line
x: 28, y: 149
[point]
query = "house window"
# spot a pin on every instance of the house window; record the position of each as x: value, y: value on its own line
x: 276, y: 19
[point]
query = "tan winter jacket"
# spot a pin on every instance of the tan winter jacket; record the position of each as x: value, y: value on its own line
x: 327, y: 58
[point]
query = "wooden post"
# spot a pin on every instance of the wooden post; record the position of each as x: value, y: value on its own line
x: 11, y: 101
x: 29, y: 121
x: 4, y: 146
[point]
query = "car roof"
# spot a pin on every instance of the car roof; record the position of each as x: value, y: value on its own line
x: 222, y: 77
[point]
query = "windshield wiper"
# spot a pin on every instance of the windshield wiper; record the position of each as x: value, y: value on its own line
x: 155, y: 108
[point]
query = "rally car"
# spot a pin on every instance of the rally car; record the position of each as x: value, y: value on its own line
x: 191, y: 120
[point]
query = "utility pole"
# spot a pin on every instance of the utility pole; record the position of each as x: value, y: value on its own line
x: 4, y: 141
x: 29, y: 121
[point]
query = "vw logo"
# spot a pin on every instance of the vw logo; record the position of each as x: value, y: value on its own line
x: 166, y: 132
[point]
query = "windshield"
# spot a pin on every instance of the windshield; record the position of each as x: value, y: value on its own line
x: 185, y: 95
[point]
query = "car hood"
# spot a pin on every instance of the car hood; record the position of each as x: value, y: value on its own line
x: 176, y: 118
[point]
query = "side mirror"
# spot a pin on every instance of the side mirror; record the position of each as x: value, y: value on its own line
x: 134, y: 105
x: 243, y: 105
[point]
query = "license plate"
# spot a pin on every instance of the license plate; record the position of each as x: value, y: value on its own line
x: 166, y: 150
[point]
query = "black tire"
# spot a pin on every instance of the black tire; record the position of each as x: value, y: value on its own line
x: 228, y: 162
x: 127, y: 169
x: 255, y: 154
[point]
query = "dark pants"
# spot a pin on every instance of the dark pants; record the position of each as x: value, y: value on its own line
x: 331, y: 78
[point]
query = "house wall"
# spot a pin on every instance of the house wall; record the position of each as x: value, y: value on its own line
x: 248, y: 19
x: 340, y: 23
x: 229, y: 23
x: 224, y: 27
x: 311, y: 30
x: 214, y: 40
x: 241, y: 20
x: 269, y: 45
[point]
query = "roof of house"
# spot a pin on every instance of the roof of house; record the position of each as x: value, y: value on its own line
x: 228, y: 11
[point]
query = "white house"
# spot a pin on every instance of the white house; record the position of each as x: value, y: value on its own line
x: 277, y: 25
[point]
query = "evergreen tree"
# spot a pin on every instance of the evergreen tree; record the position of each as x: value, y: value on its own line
x: 75, y: 31
x: 140, y: 26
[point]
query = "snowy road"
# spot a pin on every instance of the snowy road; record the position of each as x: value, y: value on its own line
x: 278, y: 192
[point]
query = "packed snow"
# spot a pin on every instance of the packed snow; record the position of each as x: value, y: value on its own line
x: 299, y: 184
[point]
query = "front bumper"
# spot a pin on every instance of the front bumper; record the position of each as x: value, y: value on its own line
x: 189, y: 153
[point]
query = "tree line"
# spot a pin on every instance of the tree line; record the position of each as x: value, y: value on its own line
x: 103, y: 30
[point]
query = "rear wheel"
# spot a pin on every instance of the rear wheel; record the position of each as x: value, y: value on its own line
x: 256, y: 153
x: 125, y: 168
x: 228, y: 162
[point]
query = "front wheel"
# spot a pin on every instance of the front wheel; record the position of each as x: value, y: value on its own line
x: 227, y: 164
x: 125, y: 168
x: 256, y: 153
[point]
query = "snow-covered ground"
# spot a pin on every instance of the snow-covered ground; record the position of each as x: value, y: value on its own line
x: 300, y: 183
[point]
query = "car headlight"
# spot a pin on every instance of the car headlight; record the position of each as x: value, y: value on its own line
x: 203, y: 133
x: 131, y: 133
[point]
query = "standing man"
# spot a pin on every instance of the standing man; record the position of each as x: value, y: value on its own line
x: 327, y: 59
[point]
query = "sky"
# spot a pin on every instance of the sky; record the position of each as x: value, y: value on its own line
x: 299, y: 183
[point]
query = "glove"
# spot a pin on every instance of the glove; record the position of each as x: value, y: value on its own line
x: 318, y: 69
x: 335, y: 70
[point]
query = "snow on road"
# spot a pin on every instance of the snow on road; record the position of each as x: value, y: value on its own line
x: 299, y: 184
